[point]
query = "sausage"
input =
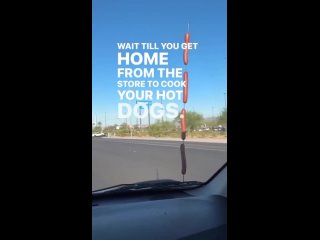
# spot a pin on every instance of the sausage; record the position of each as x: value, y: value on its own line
x: 187, y: 37
x: 183, y: 124
x: 185, y: 56
x: 185, y: 87
x: 183, y: 159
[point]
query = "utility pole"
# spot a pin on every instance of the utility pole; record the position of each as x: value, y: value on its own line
x: 225, y: 104
x: 212, y: 114
x: 161, y: 104
x: 105, y: 119
x: 137, y: 118
x: 130, y: 128
x: 149, y: 114
x: 140, y: 115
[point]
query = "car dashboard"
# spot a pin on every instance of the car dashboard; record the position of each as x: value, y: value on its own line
x: 193, y: 214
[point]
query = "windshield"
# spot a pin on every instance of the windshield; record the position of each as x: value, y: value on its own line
x: 159, y: 99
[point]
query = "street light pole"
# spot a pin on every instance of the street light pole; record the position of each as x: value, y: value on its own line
x: 161, y: 104
x: 149, y: 114
x: 105, y: 119
x: 225, y: 105
x: 140, y: 115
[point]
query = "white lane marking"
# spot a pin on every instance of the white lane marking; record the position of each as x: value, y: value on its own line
x: 167, y: 145
x: 176, y: 142
x: 161, y: 142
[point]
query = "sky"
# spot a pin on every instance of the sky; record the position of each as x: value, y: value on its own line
x: 149, y: 21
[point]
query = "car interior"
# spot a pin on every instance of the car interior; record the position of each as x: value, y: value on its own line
x: 197, y: 213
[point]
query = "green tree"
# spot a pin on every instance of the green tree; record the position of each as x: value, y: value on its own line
x: 160, y: 128
x: 124, y: 126
x: 222, y: 118
x: 97, y: 130
x: 194, y: 120
x: 210, y: 122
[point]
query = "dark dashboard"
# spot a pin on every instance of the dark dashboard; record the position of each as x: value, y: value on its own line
x: 163, y: 215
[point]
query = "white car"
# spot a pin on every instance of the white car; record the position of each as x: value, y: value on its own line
x: 98, y: 134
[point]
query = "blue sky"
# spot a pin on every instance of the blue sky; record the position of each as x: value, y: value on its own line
x: 155, y: 22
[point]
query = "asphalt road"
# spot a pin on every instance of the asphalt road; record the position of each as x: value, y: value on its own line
x: 117, y: 161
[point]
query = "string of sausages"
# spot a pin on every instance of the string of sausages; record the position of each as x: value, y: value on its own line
x: 183, y: 115
x: 185, y: 89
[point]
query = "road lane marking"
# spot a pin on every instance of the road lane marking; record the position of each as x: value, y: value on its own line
x: 188, y: 145
x: 161, y: 142
x: 155, y: 140
x: 169, y: 145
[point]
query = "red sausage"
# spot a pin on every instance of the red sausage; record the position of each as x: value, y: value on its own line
x: 185, y: 88
x: 187, y: 37
x: 185, y: 56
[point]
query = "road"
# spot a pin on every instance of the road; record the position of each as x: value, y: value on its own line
x: 117, y: 161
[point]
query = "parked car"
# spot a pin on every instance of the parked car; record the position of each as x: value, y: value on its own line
x: 98, y: 134
x: 219, y: 129
x: 203, y: 129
